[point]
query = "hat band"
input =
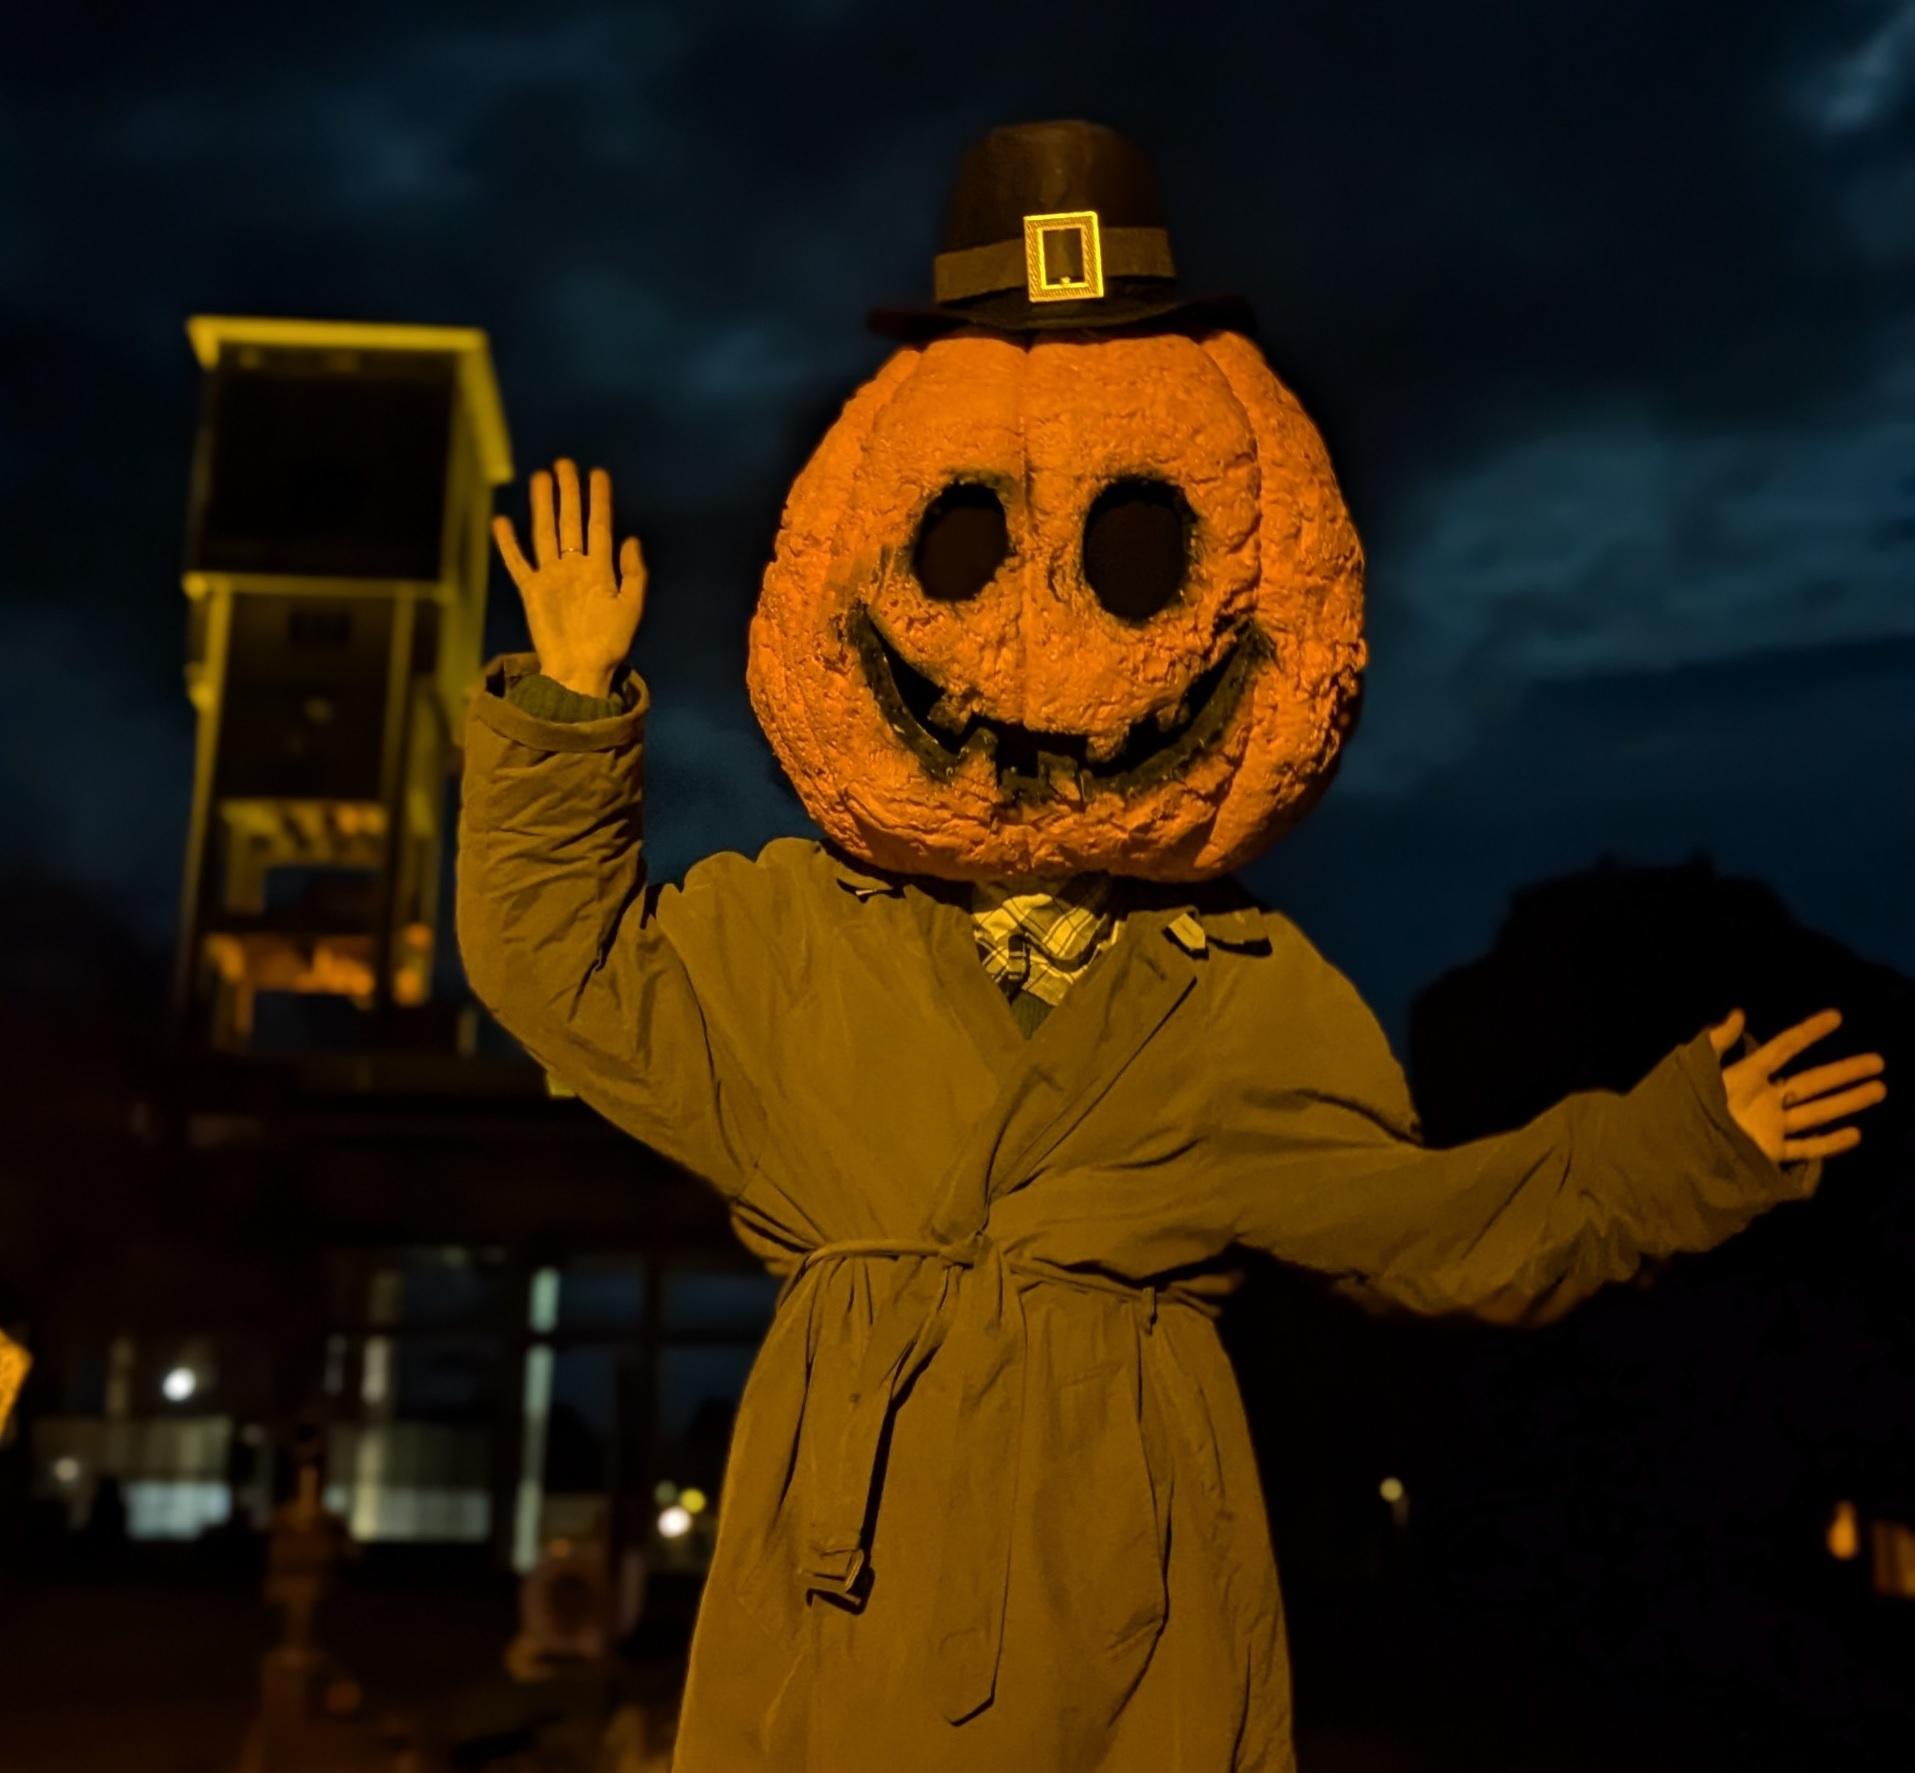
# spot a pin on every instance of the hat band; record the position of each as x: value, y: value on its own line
x: 1006, y: 264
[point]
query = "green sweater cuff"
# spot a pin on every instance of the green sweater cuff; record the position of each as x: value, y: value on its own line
x: 546, y: 699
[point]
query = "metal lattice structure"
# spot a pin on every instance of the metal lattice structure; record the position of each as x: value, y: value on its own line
x: 335, y: 573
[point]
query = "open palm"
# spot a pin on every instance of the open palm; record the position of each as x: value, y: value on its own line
x: 1781, y: 1113
x: 581, y: 607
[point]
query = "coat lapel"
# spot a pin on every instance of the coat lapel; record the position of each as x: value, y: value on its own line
x: 1049, y: 1082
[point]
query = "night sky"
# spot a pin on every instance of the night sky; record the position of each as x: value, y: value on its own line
x: 1604, y: 306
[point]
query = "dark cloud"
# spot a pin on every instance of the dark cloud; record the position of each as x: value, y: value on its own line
x: 1603, y: 305
x: 1780, y: 766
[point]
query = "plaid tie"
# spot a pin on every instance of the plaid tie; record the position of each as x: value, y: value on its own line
x: 1039, y: 936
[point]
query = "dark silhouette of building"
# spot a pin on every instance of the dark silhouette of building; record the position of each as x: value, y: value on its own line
x: 1637, y: 1499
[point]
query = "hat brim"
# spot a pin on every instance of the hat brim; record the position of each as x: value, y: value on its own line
x: 1123, y: 307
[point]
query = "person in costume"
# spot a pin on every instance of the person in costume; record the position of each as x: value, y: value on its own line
x: 1001, y: 1075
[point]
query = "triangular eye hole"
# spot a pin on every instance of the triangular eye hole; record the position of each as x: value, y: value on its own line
x: 961, y: 542
x: 1137, y: 546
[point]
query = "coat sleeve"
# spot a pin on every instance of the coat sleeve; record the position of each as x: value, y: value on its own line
x: 633, y: 995
x: 1329, y: 1171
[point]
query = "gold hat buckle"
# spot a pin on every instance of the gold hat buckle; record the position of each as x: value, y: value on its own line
x: 1063, y: 256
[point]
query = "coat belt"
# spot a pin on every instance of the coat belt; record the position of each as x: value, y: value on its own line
x: 968, y: 1292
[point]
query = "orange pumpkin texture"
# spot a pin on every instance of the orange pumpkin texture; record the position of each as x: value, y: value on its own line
x: 1022, y: 728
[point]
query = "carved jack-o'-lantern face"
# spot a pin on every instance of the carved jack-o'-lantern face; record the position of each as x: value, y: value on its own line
x: 1071, y: 603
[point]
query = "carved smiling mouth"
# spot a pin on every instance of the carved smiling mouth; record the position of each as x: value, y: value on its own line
x: 1033, y: 765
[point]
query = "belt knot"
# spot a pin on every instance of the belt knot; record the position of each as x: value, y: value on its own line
x: 967, y: 1252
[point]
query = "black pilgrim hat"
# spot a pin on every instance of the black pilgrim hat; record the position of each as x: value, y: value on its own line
x: 1054, y: 226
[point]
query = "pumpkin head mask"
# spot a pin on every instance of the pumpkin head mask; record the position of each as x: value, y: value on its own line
x: 1062, y: 600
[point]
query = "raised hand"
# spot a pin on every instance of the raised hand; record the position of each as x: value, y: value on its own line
x: 582, y: 609
x: 1778, y: 1113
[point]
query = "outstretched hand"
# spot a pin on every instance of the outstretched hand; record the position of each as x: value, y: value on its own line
x: 581, y: 607
x: 1778, y: 1112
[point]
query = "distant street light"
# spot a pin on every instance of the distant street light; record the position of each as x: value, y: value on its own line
x: 674, y: 1522
x: 180, y: 1384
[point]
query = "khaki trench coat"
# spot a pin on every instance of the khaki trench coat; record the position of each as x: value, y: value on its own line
x: 991, y: 1500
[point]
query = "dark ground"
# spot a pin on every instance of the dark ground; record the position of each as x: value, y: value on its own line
x: 153, y: 1672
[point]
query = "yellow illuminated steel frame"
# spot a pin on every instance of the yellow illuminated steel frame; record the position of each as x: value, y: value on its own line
x: 396, y: 961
